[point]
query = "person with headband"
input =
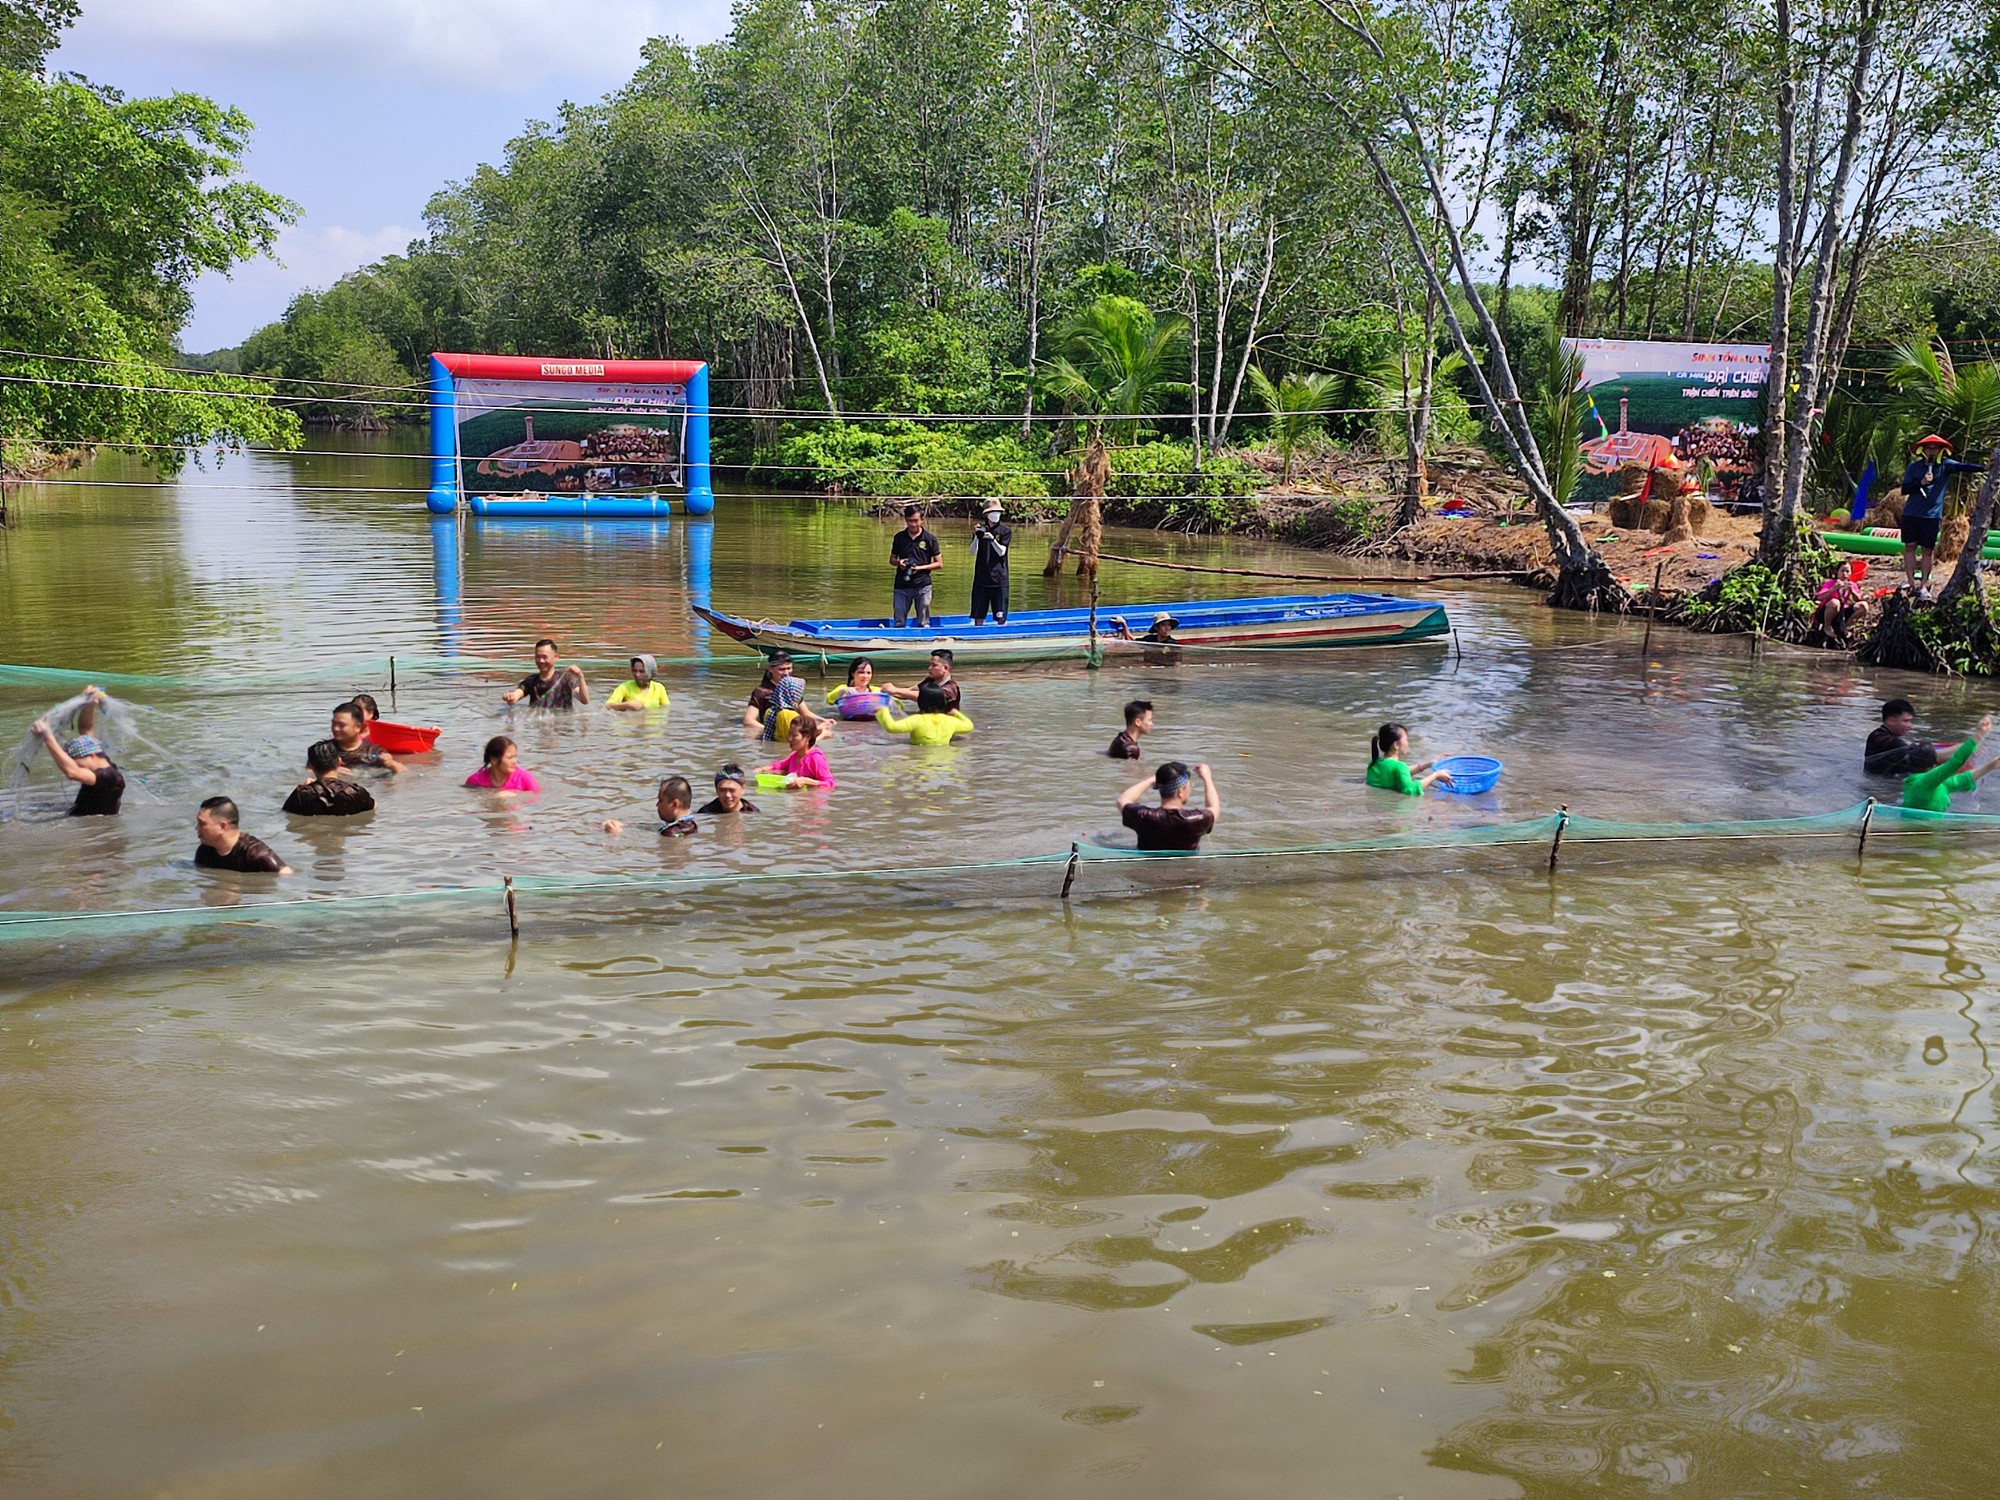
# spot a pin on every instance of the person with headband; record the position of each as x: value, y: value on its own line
x: 100, y: 785
x: 991, y: 538
x: 1173, y: 825
x: 1387, y: 770
x: 644, y: 690
x: 728, y: 796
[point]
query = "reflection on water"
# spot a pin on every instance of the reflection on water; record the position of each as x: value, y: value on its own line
x: 1434, y: 1180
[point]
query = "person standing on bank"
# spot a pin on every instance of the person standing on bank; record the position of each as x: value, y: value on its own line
x: 914, y: 555
x: 990, y: 540
x: 1924, y: 483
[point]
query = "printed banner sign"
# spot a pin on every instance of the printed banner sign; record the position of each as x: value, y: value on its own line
x: 1660, y: 405
x: 569, y: 438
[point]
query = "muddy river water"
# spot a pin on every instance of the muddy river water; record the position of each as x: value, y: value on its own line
x: 1415, y: 1175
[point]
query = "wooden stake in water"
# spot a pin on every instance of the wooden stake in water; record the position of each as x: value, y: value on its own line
x: 1069, y: 874
x: 392, y: 680
x: 1867, y: 817
x: 1562, y: 822
x: 513, y: 915
x: 1653, y: 607
x: 1096, y: 656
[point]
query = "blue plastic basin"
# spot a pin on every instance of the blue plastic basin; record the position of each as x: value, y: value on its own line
x: 1470, y: 774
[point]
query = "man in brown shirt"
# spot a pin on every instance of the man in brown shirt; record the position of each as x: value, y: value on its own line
x: 226, y: 847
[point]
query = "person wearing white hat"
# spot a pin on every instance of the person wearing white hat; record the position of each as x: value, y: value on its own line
x: 991, y: 538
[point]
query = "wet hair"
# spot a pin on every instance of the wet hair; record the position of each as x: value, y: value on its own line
x: 932, y: 698
x: 322, y: 756
x: 943, y: 654
x: 1171, y: 777
x: 1136, y: 707
x: 778, y: 659
x: 807, y: 727
x: 676, y: 790
x: 910, y: 511
x: 1384, y: 741
x: 368, y: 706
x: 496, y: 747
x: 224, y: 809
x: 545, y: 641
x: 730, y: 772
x: 1897, y: 706
x: 353, y: 710
x: 856, y: 665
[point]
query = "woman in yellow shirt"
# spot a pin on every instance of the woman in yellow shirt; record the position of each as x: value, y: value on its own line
x: 643, y: 691
x: 934, y: 723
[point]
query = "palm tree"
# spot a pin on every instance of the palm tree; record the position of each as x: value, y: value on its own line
x: 1960, y: 402
x: 1298, y: 405
x: 1114, y: 364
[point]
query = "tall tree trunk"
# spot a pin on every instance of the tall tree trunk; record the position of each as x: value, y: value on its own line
x: 1092, y: 474
x: 1965, y: 574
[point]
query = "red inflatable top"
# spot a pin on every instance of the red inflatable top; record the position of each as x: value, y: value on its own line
x: 537, y: 367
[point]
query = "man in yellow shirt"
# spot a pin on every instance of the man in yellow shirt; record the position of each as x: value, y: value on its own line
x: 643, y: 691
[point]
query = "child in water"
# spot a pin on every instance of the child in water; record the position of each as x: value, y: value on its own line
x: 1387, y: 769
x: 806, y: 765
x: 502, y: 771
x: 1930, y: 791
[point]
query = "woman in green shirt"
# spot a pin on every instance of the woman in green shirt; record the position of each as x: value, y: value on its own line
x: 1930, y: 791
x: 1390, y: 772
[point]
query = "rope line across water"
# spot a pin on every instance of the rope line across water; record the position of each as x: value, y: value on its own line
x: 1878, y: 821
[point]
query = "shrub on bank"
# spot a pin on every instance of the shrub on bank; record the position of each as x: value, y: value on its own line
x: 1155, y: 484
x: 903, y: 461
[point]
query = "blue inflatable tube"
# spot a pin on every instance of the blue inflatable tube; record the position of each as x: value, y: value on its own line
x: 577, y: 507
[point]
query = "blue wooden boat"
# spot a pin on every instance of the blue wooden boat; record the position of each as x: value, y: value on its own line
x: 1284, y: 621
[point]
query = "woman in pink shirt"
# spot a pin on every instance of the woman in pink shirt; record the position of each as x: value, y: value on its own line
x: 806, y: 765
x: 502, y: 772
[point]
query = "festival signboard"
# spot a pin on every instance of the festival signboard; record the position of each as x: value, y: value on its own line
x: 603, y: 437
x: 1674, y: 404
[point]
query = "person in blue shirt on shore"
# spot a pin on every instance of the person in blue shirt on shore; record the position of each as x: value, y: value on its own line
x: 1924, y: 484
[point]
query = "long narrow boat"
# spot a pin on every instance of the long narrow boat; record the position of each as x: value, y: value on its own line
x: 1290, y: 620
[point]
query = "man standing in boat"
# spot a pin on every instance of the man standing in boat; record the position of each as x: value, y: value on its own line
x: 990, y: 540
x: 914, y: 556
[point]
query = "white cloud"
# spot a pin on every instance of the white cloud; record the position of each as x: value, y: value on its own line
x: 494, y: 46
x: 229, y: 309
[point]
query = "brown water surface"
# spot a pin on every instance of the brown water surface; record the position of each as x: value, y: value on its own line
x: 1429, y: 1176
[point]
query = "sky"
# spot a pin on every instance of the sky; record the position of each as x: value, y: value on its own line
x: 364, y: 108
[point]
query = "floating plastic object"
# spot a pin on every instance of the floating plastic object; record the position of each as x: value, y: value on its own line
x: 860, y: 705
x: 1470, y: 774
x: 770, y: 781
x: 404, y: 739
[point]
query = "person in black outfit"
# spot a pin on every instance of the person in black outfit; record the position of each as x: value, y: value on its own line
x: 913, y: 553
x: 1138, y: 721
x: 226, y: 847
x: 1891, y: 750
x: 100, y: 785
x: 326, y: 793
x: 728, y: 796
x: 1173, y: 824
x: 991, y: 539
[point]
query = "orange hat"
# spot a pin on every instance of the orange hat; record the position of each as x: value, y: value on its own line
x: 1928, y: 439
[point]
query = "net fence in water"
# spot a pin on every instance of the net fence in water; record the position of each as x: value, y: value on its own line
x: 584, y: 902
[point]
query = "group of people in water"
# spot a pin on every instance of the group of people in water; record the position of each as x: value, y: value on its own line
x: 778, y: 713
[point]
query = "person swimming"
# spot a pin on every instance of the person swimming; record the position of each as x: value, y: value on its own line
x: 643, y: 691
x: 935, y: 722
x: 1387, y: 771
x: 222, y: 844
x: 85, y: 760
x: 806, y: 765
x: 326, y: 792
x: 1173, y: 825
x: 501, y: 771
x: 728, y: 796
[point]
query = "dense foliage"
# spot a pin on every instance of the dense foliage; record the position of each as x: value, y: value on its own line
x: 109, y: 209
